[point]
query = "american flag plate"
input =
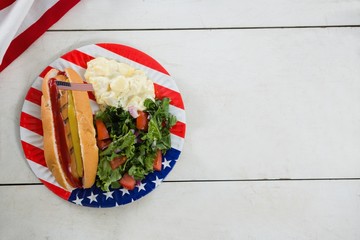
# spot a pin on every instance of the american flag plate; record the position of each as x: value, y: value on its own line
x: 31, y: 131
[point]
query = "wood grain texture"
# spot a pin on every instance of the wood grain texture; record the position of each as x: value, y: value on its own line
x: 260, y: 103
x: 269, y: 94
x: 159, y: 14
x: 236, y: 210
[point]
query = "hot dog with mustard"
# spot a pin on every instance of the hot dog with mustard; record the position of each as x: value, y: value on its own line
x: 70, y: 147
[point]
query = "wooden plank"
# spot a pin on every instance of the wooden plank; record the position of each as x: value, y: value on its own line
x: 259, y: 103
x: 223, y: 210
x: 138, y: 14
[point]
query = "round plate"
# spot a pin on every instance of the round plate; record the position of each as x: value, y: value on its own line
x: 31, y: 131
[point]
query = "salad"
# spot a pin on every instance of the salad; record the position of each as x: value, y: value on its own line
x: 131, y: 143
x: 133, y: 127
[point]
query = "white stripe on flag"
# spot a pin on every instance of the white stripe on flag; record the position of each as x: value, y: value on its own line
x: 178, y: 113
x: 61, y: 64
x: 176, y: 142
x: 32, y: 109
x: 37, y: 83
x: 32, y: 138
x: 43, y: 173
x: 94, y: 106
x: 10, y: 21
x: 35, y: 13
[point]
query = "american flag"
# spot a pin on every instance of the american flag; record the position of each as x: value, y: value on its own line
x: 24, y: 21
x: 31, y: 127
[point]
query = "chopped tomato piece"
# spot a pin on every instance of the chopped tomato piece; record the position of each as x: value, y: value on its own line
x: 117, y: 162
x: 102, y: 144
x: 127, y: 182
x: 142, y: 121
x: 102, y: 132
x: 158, y: 161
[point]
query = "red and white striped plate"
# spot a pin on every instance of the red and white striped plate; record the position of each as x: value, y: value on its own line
x: 31, y: 131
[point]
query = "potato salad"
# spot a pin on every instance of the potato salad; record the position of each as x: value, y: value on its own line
x: 118, y: 84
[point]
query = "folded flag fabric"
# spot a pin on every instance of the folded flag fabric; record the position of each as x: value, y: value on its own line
x: 24, y: 21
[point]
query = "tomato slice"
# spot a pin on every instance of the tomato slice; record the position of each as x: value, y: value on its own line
x: 158, y: 161
x: 142, y: 121
x: 102, y: 144
x: 117, y: 162
x: 102, y: 132
x: 127, y: 182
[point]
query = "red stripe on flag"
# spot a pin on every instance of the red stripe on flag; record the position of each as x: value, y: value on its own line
x: 33, y: 153
x: 179, y: 129
x: 92, y: 96
x: 31, y: 123
x: 5, y: 3
x: 134, y: 55
x: 45, y: 71
x: 57, y: 190
x: 34, y: 96
x: 175, y: 97
x: 26, y: 38
x: 78, y: 58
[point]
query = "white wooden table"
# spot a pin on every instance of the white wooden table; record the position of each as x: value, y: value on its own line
x: 272, y: 97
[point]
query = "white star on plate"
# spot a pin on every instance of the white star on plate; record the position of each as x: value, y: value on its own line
x: 92, y: 197
x: 78, y: 201
x: 141, y: 186
x: 108, y: 194
x: 157, y: 181
x: 166, y: 163
x: 124, y: 191
x: 116, y: 204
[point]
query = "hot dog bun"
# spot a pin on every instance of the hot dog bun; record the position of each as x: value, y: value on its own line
x: 85, y: 126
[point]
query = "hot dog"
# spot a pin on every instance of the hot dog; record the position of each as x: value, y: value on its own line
x: 70, y: 147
